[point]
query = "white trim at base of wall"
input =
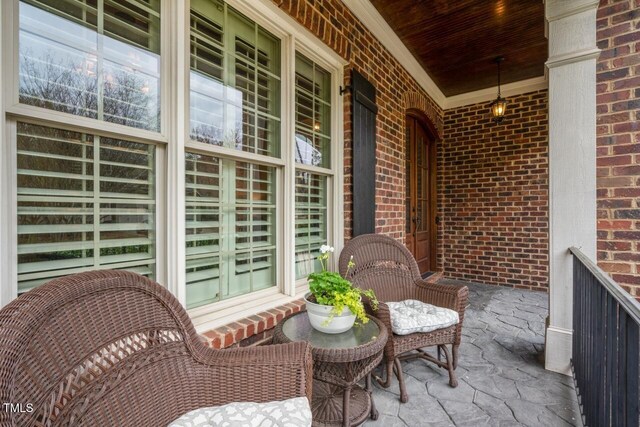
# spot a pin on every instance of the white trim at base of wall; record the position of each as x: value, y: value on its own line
x: 558, y: 347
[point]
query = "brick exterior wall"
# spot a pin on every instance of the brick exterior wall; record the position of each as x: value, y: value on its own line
x: 332, y: 22
x: 495, y: 179
x: 618, y: 130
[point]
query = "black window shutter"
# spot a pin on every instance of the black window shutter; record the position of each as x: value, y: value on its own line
x: 363, y: 122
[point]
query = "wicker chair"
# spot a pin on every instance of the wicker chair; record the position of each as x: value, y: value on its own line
x: 112, y: 348
x: 387, y: 267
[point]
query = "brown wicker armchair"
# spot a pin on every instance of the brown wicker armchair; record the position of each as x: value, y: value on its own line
x: 112, y: 348
x: 387, y: 267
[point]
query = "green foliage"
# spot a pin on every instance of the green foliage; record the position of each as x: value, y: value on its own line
x: 329, y: 288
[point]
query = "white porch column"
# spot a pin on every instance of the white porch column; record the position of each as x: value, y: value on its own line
x: 572, y: 161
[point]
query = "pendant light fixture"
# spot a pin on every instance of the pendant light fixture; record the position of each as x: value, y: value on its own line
x: 499, y: 106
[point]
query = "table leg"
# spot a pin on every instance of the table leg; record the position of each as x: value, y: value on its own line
x: 374, y: 411
x: 345, y: 407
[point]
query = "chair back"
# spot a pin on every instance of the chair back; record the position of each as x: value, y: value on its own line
x: 382, y: 264
x: 99, y: 348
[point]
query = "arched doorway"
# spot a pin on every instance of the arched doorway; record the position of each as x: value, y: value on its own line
x: 421, y: 190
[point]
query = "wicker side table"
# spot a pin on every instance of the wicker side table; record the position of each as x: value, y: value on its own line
x: 340, y: 362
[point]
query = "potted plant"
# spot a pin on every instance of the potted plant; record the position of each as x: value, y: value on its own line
x: 333, y: 303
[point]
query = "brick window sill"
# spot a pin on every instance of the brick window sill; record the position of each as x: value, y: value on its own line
x: 251, y: 330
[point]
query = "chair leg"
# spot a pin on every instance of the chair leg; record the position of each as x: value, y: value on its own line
x: 453, y: 380
x: 346, y: 398
x: 404, y: 397
x: 389, y: 373
x: 454, y: 350
x: 374, y: 412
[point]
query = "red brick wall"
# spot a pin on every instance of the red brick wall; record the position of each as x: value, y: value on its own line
x: 495, y: 179
x: 618, y: 130
x: 332, y: 22
x: 252, y: 330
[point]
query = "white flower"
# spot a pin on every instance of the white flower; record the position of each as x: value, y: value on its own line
x: 351, y: 263
x: 326, y: 248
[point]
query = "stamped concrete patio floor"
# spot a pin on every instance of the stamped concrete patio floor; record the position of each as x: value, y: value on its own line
x: 502, y: 381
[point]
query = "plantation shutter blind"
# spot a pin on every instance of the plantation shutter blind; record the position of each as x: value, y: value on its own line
x: 203, y: 233
x: 231, y: 208
x: 130, y: 21
x: 311, y: 221
x: 230, y: 235
x: 235, y: 80
x: 84, y: 202
x: 254, y: 222
x: 207, y: 72
x: 312, y: 142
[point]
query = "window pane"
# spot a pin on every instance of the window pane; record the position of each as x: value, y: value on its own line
x: 313, y: 113
x: 311, y: 221
x: 84, y: 202
x: 93, y: 59
x: 230, y: 220
x: 235, y: 80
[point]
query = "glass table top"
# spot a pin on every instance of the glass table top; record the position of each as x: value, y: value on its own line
x: 298, y: 328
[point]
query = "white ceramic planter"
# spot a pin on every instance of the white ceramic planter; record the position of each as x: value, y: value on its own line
x: 318, y: 314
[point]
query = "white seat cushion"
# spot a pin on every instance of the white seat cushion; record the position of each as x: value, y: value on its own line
x: 411, y: 316
x: 294, y: 412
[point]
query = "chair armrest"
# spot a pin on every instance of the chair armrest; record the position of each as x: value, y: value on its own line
x: 447, y: 296
x: 262, y: 373
x: 382, y: 313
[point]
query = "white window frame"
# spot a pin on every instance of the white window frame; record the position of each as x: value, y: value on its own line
x: 14, y: 112
x: 171, y: 142
x: 293, y: 38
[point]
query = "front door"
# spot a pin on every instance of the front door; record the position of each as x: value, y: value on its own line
x: 421, y: 194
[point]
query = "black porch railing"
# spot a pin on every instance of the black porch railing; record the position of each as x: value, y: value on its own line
x: 606, y: 347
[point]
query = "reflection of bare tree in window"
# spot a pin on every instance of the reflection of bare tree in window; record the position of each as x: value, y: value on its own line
x: 72, y: 87
x: 233, y: 138
x: 127, y: 100
x: 68, y: 87
x: 209, y: 134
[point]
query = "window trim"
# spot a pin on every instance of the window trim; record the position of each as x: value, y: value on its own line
x: 293, y: 37
x: 13, y: 112
x: 204, y: 314
x: 171, y: 143
x: 14, y: 107
x: 8, y: 161
x: 11, y: 141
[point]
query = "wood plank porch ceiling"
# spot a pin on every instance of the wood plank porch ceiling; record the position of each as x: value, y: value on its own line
x: 455, y: 41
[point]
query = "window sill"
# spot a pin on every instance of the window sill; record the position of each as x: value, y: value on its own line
x: 252, y: 329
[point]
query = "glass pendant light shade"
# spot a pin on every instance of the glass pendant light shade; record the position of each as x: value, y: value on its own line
x: 499, y: 106
x: 498, y: 109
